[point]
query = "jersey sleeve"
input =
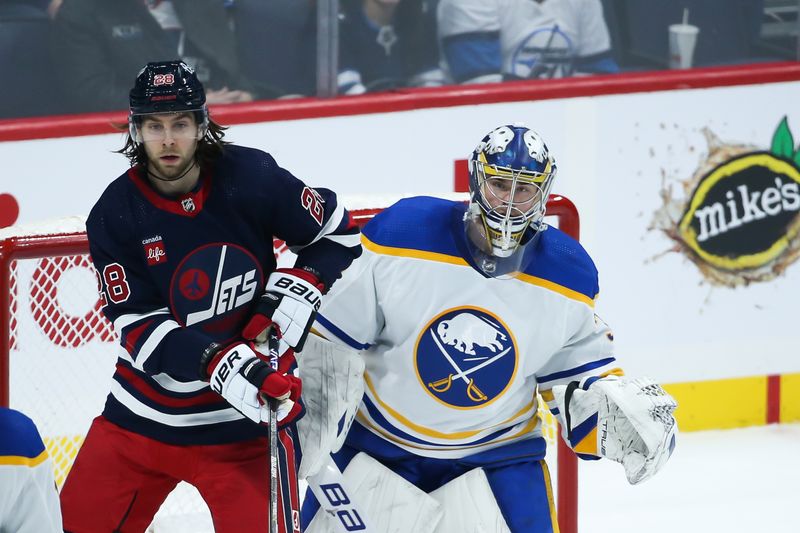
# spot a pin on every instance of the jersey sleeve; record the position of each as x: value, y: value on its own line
x: 350, y: 313
x: 152, y: 339
x: 470, y: 40
x: 594, y: 55
x: 314, y: 225
x: 586, y: 357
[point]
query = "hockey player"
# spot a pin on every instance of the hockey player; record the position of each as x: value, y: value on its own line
x: 487, y: 41
x: 183, y: 246
x: 463, y: 313
x: 28, y: 494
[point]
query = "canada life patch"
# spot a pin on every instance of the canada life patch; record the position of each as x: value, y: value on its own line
x: 154, y: 250
x: 465, y: 357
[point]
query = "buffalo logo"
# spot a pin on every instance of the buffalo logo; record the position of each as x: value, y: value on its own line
x: 213, y: 286
x: 740, y: 224
x: 465, y: 357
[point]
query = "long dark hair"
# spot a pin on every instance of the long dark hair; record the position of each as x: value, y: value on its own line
x: 208, y: 148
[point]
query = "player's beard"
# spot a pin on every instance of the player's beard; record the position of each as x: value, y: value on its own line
x: 163, y: 172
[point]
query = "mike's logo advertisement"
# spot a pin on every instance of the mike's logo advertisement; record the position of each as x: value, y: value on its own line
x: 739, y: 222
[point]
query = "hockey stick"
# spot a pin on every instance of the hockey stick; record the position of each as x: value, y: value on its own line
x: 273, y: 343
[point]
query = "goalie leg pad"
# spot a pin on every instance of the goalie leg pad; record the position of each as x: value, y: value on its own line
x: 388, y: 502
x: 332, y: 388
x: 469, y: 506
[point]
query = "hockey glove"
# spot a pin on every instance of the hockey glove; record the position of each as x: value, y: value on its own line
x: 635, y: 425
x: 245, y: 379
x: 290, y: 302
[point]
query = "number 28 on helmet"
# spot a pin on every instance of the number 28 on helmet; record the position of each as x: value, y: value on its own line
x: 167, y: 87
x: 511, y: 173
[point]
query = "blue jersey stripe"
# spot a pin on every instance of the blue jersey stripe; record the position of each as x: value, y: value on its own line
x: 474, y: 54
x: 385, y: 425
x: 575, y: 371
x: 341, y: 335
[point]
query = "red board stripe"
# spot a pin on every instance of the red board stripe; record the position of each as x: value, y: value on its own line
x: 773, y: 399
x: 461, y: 175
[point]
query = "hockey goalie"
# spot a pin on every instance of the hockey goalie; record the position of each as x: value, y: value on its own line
x: 462, y: 313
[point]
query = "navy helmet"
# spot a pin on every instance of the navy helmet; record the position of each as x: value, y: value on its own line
x: 167, y: 87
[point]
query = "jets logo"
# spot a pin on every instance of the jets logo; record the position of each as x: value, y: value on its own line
x: 213, y: 286
x: 465, y: 357
x: 546, y: 52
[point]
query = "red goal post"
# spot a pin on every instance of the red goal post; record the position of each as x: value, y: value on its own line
x: 54, y: 313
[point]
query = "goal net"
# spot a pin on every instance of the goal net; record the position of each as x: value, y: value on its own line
x: 57, y: 349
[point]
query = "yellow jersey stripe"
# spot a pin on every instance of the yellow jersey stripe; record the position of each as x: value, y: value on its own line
x: 460, y: 261
x: 555, y: 287
x: 18, y: 460
x: 527, y: 428
x: 410, y: 252
x: 459, y: 435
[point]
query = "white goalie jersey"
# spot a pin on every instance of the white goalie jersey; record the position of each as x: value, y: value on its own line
x: 453, y: 358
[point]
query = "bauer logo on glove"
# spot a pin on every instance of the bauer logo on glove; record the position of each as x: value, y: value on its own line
x: 240, y: 374
x: 290, y: 302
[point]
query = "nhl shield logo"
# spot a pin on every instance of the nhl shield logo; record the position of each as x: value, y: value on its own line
x: 465, y: 357
x: 188, y: 205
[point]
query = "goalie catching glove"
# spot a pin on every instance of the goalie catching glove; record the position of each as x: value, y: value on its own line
x: 635, y: 425
x: 290, y: 301
x: 243, y: 376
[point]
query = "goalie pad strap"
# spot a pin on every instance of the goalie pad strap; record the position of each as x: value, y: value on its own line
x: 567, y: 398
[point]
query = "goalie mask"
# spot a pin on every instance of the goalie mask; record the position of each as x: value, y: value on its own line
x: 167, y: 87
x: 511, y: 172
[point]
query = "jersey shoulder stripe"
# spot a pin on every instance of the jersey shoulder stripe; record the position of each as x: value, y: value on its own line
x: 421, y: 224
x: 20, y: 443
x: 422, y: 227
x: 562, y: 261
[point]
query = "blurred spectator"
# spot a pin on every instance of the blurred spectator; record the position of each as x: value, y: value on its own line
x: 100, y: 45
x: 25, y: 60
x: 491, y: 40
x: 276, y: 43
x: 385, y: 44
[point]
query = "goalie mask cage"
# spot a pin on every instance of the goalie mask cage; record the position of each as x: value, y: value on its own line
x: 56, y: 359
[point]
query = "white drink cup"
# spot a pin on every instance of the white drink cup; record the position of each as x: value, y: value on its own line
x: 682, y: 39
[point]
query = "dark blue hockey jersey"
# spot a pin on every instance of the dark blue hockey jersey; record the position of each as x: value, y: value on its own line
x: 180, y: 273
